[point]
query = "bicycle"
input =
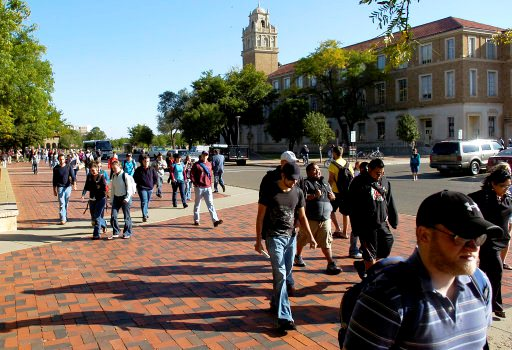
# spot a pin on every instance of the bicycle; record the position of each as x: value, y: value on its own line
x: 376, y: 154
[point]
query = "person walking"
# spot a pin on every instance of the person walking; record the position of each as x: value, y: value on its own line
x: 129, y: 164
x: 414, y: 163
x: 146, y: 178
x: 121, y: 197
x: 340, y: 202
x: 218, y: 171
x: 160, y: 166
x: 186, y: 174
x: 438, y: 297
x: 304, y: 153
x: 35, y: 163
x: 318, y: 195
x: 201, y: 176
x: 96, y: 185
x: 372, y: 211
x: 495, y: 202
x: 178, y: 181
x: 63, y: 181
x: 278, y: 204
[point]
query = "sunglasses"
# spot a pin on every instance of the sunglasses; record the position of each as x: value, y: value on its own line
x: 459, y: 241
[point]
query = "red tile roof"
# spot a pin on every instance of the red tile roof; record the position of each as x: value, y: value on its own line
x: 425, y: 30
x: 283, y: 70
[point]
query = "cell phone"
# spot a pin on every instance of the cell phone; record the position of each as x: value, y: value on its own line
x: 265, y: 254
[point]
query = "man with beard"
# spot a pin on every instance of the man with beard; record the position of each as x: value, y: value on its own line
x: 437, y: 298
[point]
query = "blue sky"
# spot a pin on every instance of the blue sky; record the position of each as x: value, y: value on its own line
x: 112, y: 58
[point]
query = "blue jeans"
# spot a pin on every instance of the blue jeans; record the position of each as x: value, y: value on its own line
x: 145, y: 197
x: 119, y: 203
x: 353, y: 249
x: 206, y: 193
x: 218, y: 179
x: 159, y: 185
x: 97, y: 209
x: 63, y: 193
x: 188, y: 190
x: 282, y: 251
x: 181, y: 186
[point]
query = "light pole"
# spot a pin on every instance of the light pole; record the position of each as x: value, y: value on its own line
x: 237, y: 130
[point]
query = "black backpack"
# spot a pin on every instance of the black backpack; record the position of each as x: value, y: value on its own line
x: 344, y: 178
x: 405, y: 278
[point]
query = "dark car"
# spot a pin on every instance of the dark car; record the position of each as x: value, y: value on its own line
x: 504, y: 156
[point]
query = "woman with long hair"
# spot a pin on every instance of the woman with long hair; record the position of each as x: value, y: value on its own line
x: 96, y: 184
x: 495, y: 203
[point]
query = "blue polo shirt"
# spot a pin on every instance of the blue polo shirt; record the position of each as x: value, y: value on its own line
x: 376, y: 322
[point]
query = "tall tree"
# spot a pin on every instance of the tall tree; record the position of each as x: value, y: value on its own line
x: 26, y: 79
x: 69, y: 138
x: 342, y: 77
x: 203, y: 123
x: 407, y: 129
x: 140, y: 134
x: 171, y: 108
x: 95, y: 134
x: 318, y: 130
x: 286, y: 121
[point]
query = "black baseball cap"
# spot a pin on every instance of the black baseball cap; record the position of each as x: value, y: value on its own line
x: 291, y: 171
x: 457, y: 212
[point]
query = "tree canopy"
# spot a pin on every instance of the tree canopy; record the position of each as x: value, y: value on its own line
x: 286, y: 121
x: 342, y: 77
x: 317, y: 129
x: 27, y: 115
x: 141, y: 134
x: 95, y: 134
x: 407, y: 129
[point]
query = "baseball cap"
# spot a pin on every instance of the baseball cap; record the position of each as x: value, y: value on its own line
x: 129, y: 155
x: 457, y: 212
x: 289, y: 157
x: 205, y: 153
x: 291, y: 171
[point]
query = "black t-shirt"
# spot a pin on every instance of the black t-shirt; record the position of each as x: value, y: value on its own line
x: 281, y: 207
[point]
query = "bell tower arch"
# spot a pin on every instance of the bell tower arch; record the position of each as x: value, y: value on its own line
x: 259, y: 40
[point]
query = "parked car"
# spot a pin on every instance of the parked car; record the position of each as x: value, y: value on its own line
x: 154, y: 150
x: 458, y: 155
x: 504, y: 156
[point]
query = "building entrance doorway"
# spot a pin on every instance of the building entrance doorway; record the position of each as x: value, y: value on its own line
x: 473, y: 127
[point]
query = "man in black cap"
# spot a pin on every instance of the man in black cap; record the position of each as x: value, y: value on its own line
x: 438, y: 298
x: 279, y: 202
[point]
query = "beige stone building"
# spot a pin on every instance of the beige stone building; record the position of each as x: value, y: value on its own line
x: 458, y: 84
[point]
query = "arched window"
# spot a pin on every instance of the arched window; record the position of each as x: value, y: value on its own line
x: 265, y: 42
x: 262, y: 24
x: 258, y: 41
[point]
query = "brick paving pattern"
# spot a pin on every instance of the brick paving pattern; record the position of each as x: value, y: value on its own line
x: 172, y: 286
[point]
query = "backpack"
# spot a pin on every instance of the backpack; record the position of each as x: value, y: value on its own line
x: 344, y: 178
x: 131, y: 186
x: 407, y: 282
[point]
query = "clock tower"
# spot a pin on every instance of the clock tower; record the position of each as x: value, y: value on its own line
x: 259, y: 40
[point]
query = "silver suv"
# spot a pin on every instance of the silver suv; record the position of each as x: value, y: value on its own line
x: 471, y: 155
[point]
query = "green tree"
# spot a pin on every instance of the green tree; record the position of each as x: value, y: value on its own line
x: 171, y: 108
x: 26, y: 79
x: 160, y: 140
x: 342, y: 76
x: 203, y: 123
x: 407, y: 129
x: 318, y: 130
x: 286, y: 121
x: 140, y: 134
x: 69, y: 138
x: 95, y: 134
x: 119, y: 143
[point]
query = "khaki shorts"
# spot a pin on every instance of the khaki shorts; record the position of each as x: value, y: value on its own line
x: 321, y: 232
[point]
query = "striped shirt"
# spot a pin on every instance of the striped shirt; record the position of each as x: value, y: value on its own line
x: 377, y: 320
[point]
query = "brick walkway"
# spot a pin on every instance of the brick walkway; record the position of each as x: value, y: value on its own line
x: 171, y: 286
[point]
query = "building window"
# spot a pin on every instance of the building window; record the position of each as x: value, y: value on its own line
x: 299, y: 82
x: 492, y: 123
x: 449, y: 83
x: 451, y: 127
x: 450, y: 49
x: 426, y: 87
x: 380, y: 93
x: 472, y: 82
x: 401, y: 89
x: 425, y: 53
x: 361, y: 132
x: 286, y: 83
x: 490, y: 49
x: 381, y: 62
x: 471, y: 46
x: 313, y: 104
x: 492, y: 80
x: 312, y: 81
x: 275, y: 84
x: 381, y: 129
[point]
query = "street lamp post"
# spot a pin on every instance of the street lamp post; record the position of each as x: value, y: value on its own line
x: 237, y: 129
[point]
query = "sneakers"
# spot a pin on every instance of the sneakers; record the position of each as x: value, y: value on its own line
x: 298, y: 261
x: 215, y: 191
x: 500, y: 314
x: 144, y: 218
x: 217, y: 223
x: 223, y: 188
x: 115, y: 235
x: 63, y: 222
x: 95, y: 237
x: 127, y: 236
x: 332, y: 268
x: 159, y: 195
x: 196, y: 223
x: 356, y: 256
x: 185, y: 205
x: 283, y: 326
x: 360, y: 268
